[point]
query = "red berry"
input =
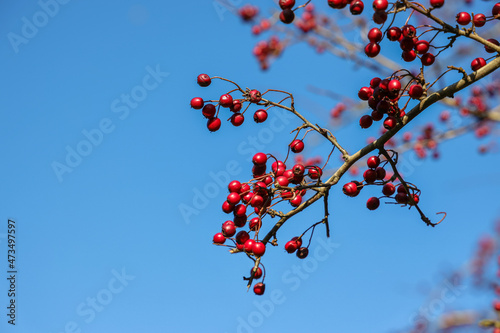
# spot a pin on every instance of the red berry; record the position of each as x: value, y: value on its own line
x: 380, y: 5
x: 401, y: 198
x: 248, y: 246
x: 242, y: 237
x: 377, y: 115
x: 227, y: 207
x: 370, y: 176
x: 259, y: 159
x: 356, y: 7
x: 213, y: 124
x: 302, y: 252
x: 350, y: 189
x: 204, y: 80
x: 237, y: 119
x: 416, y: 91
x: 373, y: 162
x: 257, y: 273
x: 477, y: 63
x: 287, y: 16
x: 219, y: 238
x: 390, y: 122
x: 240, y: 221
x: 260, y: 116
x: 493, y: 41
x: 372, y: 203
x: 228, y: 229
x: 437, y: 3
x: 295, y: 202
x: 365, y: 93
x: 375, y: 82
x: 408, y: 30
x: 258, y: 248
x: 226, y: 100
x: 298, y: 240
x: 233, y: 198
x: 337, y: 4
x: 255, y: 224
x: 428, y: 59
x: 236, y: 107
x: 209, y: 111
x: 240, y: 210
x: 234, y: 186
x: 496, y: 305
x: 409, y: 56
x: 394, y: 86
x: 479, y: 20
x: 282, y: 181
x: 197, y: 103
x: 291, y: 246
x: 463, y: 18
x: 496, y: 9
x: 380, y: 173
x: 259, y: 288
x: 393, y: 34
x: 379, y: 17
x: 388, y: 189
x: 375, y: 35
x: 284, y: 4
x: 255, y: 96
x: 297, y: 146
x: 422, y: 46
x: 365, y: 121
x: 372, y: 50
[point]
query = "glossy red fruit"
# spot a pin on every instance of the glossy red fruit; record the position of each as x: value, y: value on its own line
x: 373, y: 162
x: 298, y: 240
x: 237, y: 119
x: 390, y: 122
x: 234, y: 186
x: 401, y: 198
x: 428, y: 59
x: 493, y: 41
x: 356, y: 7
x: 236, y: 107
x: 380, y: 5
x: 380, y: 173
x: 338, y: 4
x: 295, y: 202
x: 255, y: 224
x: 394, y: 86
x: 240, y: 221
x: 408, y: 30
x: 219, y: 238
x: 297, y: 146
x: 284, y: 4
x: 240, y: 210
x: 393, y: 34
x: 496, y: 9
x: 227, y: 207
x: 226, y: 100
x: 379, y: 17
x: 291, y: 246
x: 437, y: 3
x: 416, y: 91
x: 477, y: 63
x: 248, y: 246
x: 228, y: 229
x: 372, y: 50
x: 213, y: 124
x: 259, y: 288
x: 259, y: 159
x: 388, y: 189
x: 409, y: 56
x: 365, y: 121
x: 479, y: 20
x: 257, y: 201
x: 365, y: 93
x: 209, y: 111
x: 463, y: 18
x: 315, y: 173
x: 255, y: 96
x: 370, y: 176
x: 258, y: 248
x: 282, y: 181
x: 242, y: 237
x: 287, y: 16
x: 203, y: 80
x: 372, y: 203
x: 422, y: 46
x: 375, y: 35
x: 260, y: 116
x: 302, y: 252
x: 257, y: 273
x: 233, y: 198
x: 416, y: 199
x: 350, y: 189
x: 197, y: 103
x: 377, y: 115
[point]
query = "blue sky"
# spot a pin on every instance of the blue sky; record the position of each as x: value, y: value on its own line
x: 101, y: 152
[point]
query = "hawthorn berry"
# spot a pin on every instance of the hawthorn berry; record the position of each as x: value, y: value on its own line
x: 477, y: 63
x: 260, y: 116
x: 373, y: 203
x: 428, y: 59
x: 240, y: 210
x: 226, y: 100
x: 493, y: 41
x: 496, y: 9
x: 356, y: 7
x: 282, y: 181
x: 422, y: 46
x: 302, y: 252
x: 393, y: 34
x: 209, y: 111
x: 416, y: 91
x: 388, y: 189
x: 197, y: 103
x: 315, y: 172
x: 291, y: 246
x: 248, y: 246
x: 233, y: 198
x: 390, y: 122
x: 365, y: 93
x: 257, y: 273
x: 287, y: 16
x: 380, y: 5
x: 286, y: 4
x: 373, y: 162
x: 259, y: 159
x: 213, y: 124
x: 234, y: 186
x: 295, y: 202
x: 337, y: 4
x: 479, y: 20
x: 255, y: 224
x: 463, y: 18
x: 372, y: 50
x: 409, y: 56
x: 203, y: 80
x: 228, y: 229
x: 379, y: 17
x: 242, y: 237
x: 258, y: 248
x: 259, y: 288
x: 401, y: 198
x: 365, y: 121
x: 219, y: 238
x: 408, y: 30
x: 375, y: 35
x: 377, y: 115
x: 236, y: 106
x: 437, y: 3
x: 370, y: 176
x: 237, y: 119
x: 380, y: 173
x: 255, y: 96
x: 240, y: 221
x: 351, y: 189
x: 297, y: 146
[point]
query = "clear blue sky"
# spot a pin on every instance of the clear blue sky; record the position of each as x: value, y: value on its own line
x: 96, y: 180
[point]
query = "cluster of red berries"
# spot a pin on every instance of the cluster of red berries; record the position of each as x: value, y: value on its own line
x: 383, y: 96
x: 264, y: 190
x: 248, y: 12
x: 356, y: 8
x: 264, y: 51
x: 211, y: 111
x: 376, y: 175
